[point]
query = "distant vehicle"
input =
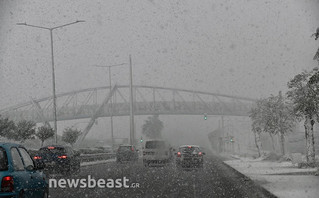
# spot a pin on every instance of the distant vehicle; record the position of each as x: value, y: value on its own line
x: 156, y: 152
x: 19, y: 175
x: 190, y: 156
x: 126, y: 153
x: 58, y: 159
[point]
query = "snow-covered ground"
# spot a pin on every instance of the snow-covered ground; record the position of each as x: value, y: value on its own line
x: 283, y: 179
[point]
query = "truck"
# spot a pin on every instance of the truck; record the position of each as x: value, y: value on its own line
x: 157, y: 153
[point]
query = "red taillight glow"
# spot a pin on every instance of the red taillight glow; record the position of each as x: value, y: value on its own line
x: 189, y: 146
x: 132, y: 148
x: 37, y: 157
x: 7, y: 184
x: 179, y: 154
x: 51, y: 147
x: 7, y: 178
x: 62, y: 157
x: 200, y: 153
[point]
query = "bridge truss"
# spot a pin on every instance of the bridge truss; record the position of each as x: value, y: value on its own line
x: 93, y: 103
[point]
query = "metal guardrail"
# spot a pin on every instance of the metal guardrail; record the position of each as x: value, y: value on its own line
x: 96, y: 157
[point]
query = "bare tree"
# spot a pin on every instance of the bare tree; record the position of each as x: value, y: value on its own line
x: 274, y: 116
x: 303, y: 93
x: 24, y: 130
x: 70, y: 135
x: 316, y: 35
x: 257, y: 125
x: 6, y: 127
x: 316, y: 57
x: 280, y: 118
x: 153, y: 126
x: 44, y: 133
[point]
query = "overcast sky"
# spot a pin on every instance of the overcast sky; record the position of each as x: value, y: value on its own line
x: 238, y: 47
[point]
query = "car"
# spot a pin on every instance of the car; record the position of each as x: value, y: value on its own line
x: 156, y: 152
x: 126, y: 153
x: 59, y: 159
x: 190, y: 156
x: 19, y: 175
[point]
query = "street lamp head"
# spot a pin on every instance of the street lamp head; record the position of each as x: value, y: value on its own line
x: 22, y: 23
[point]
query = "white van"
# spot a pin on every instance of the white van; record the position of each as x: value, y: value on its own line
x: 156, y: 152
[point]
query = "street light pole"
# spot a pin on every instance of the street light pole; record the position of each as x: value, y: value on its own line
x: 53, y: 89
x: 132, y: 131
x: 132, y: 126
x: 53, y: 72
x: 111, y: 99
x: 111, y: 109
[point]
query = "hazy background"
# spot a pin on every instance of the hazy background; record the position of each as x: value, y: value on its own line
x: 239, y: 47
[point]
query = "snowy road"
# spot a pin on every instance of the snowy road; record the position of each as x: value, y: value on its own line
x: 215, y: 180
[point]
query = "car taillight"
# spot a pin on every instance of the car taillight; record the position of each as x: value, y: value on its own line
x: 7, y: 184
x: 200, y: 153
x: 132, y: 148
x: 179, y: 154
x: 62, y: 157
x: 37, y: 157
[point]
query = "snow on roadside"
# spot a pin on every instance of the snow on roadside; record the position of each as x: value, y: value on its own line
x: 291, y: 186
x: 252, y: 167
x: 280, y: 178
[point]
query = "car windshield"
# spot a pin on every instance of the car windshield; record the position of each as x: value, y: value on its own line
x: 53, y: 150
x: 189, y: 149
x: 154, y: 144
x: 239, y: 79
x: 3, y: 160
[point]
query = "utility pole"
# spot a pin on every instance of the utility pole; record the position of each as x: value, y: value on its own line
x: 132, y: 131
x: 111, y: 99
x: 111, y: 109
x: 53, y: 72
x: 132, y: 124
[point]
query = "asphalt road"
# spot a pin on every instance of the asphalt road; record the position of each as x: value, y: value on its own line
x: 215, y: 180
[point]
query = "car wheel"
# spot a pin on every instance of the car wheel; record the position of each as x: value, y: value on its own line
x: 46, y: 194
x: 21, y: 194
